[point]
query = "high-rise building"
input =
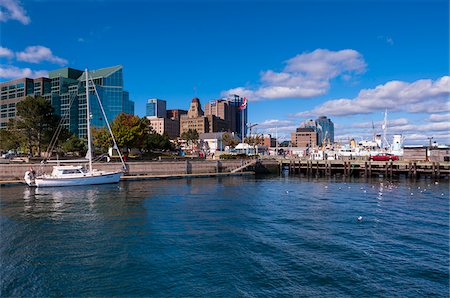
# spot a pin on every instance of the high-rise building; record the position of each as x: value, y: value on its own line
x: 239, y: 122
x: 327, y: 131
x: 195, y: 119
x: 228, y: 110
x: 115, y: 100
x: 65, y: 89
x: 156, y: 108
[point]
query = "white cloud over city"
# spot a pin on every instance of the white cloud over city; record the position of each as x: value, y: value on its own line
x: 305, y: 75
x: 13, y: 10
x: 32, y: 54
x: 421, y: 96
x: 38, y: 54
x: 13, y: 72
x: 6, y: 53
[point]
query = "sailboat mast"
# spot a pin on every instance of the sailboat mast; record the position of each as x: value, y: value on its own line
x: 88, y: 124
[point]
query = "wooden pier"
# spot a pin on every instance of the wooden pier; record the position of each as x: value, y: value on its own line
x: 360, y: 168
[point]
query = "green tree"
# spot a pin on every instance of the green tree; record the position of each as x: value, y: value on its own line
x: 229, y: 140
x: 36, y: 120
x: 11, y: 138
x: 156, y: 141
x: 190, y: 136
x: 74, y: 144
x: 101, y: 138
x: 130, y: 132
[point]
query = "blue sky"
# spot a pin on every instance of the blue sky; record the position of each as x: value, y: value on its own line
x: 294, y: 60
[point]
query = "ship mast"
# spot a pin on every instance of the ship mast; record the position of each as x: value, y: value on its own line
x: 88, y: 124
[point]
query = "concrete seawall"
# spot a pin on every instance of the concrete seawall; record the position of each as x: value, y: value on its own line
x: 162, y: 168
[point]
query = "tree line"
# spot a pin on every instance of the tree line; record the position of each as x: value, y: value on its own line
x: 35, y: 124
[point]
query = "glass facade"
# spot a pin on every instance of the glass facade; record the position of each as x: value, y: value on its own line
x: 156, y: 108
x: 68, y: 97
x: 236, y: 101
x: 327, y: 133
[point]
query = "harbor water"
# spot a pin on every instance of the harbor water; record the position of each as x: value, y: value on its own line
x: 232, y: 236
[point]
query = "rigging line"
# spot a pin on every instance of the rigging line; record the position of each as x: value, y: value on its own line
x: 107, y: 124
x: 55, y: 136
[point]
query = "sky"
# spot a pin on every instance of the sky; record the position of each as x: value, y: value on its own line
x: 294, y: 60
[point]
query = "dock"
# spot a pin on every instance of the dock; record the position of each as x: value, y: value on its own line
x: 360, y: 168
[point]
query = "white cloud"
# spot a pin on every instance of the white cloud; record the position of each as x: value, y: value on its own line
x: 6, y: 53
x: 439, y: 117
x: 305, y: 75
x: 13, y: 10
x: 37, y: 54
x: 420, y: 96
x: 13, y: 72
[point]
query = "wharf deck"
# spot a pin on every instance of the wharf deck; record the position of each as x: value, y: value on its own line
x: 366, y: 168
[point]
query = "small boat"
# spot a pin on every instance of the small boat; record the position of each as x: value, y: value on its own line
x: 74, y: 175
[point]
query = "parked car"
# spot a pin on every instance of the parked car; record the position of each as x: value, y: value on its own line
x: 8, y: 155
x: 383, y: 157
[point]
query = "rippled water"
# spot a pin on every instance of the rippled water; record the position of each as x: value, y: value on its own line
x: 233, y: 236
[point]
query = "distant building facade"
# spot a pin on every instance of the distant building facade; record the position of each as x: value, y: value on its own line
x: 176, y: 114
x: 156, y: 108
x: 304, y: 137
x: 228, y: 110
x: 327, y: 130
x: 170, y: 127
x: 195, y: 119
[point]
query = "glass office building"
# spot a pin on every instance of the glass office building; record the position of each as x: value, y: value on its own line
x: 65, y: 89
x: 69, y: 97
x: 156, y: 108
x: 327, y: 133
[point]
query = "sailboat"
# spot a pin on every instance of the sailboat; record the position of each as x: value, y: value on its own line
x: 76, y: 175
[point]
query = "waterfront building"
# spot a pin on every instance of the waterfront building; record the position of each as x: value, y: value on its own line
x: 304, y: 137
x: 156, y: 108
x: 195, y: 119
x: 65, y: 89
x: 15, y: 91
x: 326, y: 133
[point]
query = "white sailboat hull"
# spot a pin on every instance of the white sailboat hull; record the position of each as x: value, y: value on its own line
x: 88, y: 179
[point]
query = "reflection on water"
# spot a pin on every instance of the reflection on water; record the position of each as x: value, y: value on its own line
x: 238, y: 236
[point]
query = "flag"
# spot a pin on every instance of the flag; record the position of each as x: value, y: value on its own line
x: 244, y: 104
